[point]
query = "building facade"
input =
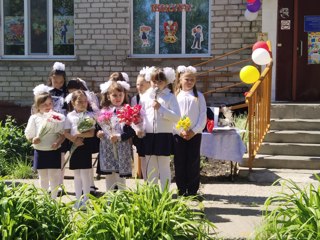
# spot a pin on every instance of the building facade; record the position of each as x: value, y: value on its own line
x: 97, y: 37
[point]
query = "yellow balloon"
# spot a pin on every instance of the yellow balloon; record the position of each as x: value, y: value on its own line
x: 249, y: 74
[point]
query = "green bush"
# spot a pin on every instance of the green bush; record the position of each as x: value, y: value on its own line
x: 292, y: 214
x: 145, y: 213
x: 30, y: 213
x: 13, y: 143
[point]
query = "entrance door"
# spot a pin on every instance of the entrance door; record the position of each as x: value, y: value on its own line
x: 306, y: 74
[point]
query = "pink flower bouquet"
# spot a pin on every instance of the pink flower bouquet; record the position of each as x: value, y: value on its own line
x: 108, y: 121
x: 131, y: 116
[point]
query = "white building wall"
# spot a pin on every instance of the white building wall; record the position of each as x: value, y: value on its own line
x: 269, y: 25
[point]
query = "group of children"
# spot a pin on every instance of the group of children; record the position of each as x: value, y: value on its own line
x: 165, y: 94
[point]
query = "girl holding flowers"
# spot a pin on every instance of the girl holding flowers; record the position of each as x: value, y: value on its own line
x: 79, y: 127
x: 187, y: 139
x: 161, y: 114
x: 45, y: 131
x: 79, y: 84
x: 115, y: 148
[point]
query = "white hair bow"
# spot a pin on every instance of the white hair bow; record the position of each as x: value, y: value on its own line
x: 125, y: 76
x: 41, y: 88
x: 183, y: 69
x: 170, y: 74
x: 105, y: 86
x: 59, y: 66
x: 148, y: 72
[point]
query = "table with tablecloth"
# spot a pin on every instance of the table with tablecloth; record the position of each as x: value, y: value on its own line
x: 223, y: 144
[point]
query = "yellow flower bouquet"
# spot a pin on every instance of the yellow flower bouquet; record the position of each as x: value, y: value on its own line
x: 184, y: 123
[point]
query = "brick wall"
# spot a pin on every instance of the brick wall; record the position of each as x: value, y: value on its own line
x: 102, y: 46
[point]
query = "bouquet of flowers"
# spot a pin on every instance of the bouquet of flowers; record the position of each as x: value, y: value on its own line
x: 184, y: 123
x: 108, y: 121
x: 53, y: 123
x: 131, y: 116
x: 85, y: 124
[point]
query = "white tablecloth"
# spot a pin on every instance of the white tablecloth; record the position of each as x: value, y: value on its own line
x: 223, y: 145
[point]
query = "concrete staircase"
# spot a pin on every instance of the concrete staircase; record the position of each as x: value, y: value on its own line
x: 293, y: 140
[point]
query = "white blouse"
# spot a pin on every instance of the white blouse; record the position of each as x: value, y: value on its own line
x: 165, y: 118
x: 35, y: 123
x: 194, y: 108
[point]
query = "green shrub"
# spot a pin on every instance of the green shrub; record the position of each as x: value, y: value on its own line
x: 30, y: 213
x: 145, y: 213
x: 292, y: 214
x: 12, y: 140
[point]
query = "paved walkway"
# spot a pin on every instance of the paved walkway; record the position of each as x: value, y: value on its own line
x: 235, y: 207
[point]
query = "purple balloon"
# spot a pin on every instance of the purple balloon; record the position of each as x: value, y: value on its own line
x: 254, y: 7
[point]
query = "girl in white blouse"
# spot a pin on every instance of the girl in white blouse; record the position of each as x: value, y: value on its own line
x: 187, y: 143
x: 80, y: 160
x: 46, y: 143
x: 161, y: 114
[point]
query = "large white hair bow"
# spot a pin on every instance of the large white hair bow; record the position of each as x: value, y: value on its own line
x: 59, y: 66
x: 148, y: 71
x: 183, y: 69
x: 105, y: 86
x: 170, y: 74
x: 41, y: 88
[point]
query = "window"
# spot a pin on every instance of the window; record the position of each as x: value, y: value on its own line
x: 38, y: 28
x: 174, y: 28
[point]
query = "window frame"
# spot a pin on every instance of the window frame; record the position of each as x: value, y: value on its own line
x: 157, y: 35
x: 27, y: 44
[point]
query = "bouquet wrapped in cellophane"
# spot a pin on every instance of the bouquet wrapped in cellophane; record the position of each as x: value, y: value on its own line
x: 131, y: 116
x: 85, y: 124
x: 108, y: 121
x: 53, y: 123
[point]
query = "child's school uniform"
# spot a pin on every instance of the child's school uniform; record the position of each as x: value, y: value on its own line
x: 80, y: 160
x: 58, y: 96
x: 137, y: 142
x: 158, y: 141
x: 48, y: 160
x: 187, y: 153
x: 159, y: 123
x: 81, y: 157
x: 44, y: 154
x: 108, y: 162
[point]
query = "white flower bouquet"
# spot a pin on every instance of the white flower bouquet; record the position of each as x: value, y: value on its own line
x: 53, y: 123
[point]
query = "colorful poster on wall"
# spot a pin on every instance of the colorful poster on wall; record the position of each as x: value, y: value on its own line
x: 63, y: 30
x: 314, y: 48
x: 143, y: 27
x: 14, y: 30
x: 197, y: 27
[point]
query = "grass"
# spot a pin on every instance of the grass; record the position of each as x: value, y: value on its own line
x: 293, y: 213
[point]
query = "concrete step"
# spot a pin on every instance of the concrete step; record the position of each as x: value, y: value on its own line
x: 284, y: 161
x: 292, y: 149
x: 300, y: 111
x: 293, y: 136
x: 295, y: 124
